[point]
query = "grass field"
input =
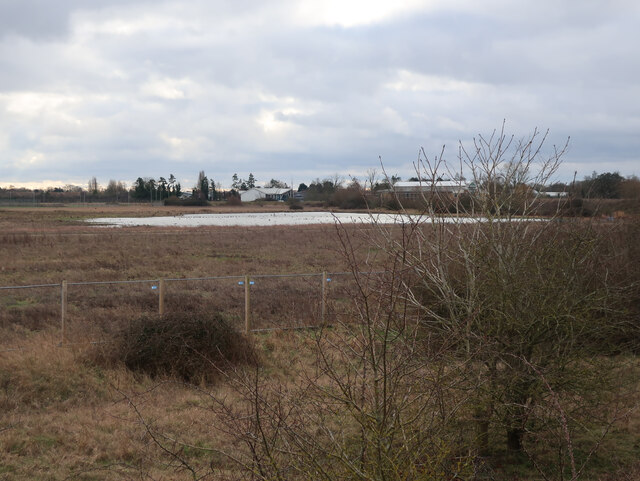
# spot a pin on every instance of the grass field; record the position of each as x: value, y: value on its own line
x: 61, y: 416
x: 42, y: 246
x: 64, y: 416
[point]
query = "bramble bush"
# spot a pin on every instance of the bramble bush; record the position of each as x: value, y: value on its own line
x: 192, y: 346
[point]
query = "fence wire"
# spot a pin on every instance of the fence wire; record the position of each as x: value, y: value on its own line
x: 90, y: 311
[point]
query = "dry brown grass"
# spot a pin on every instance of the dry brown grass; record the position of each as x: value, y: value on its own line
x: 97, y: 433
x: 63, y: 418
x: 43, y: 246
x: 48, y: 245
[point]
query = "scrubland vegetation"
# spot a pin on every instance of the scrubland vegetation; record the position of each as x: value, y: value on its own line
x: 500, y: 349
x: 398, y: 387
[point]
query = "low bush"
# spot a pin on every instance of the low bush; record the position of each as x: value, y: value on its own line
x: 294, y: 204
x: 192, y: 346
x: 175, y: 201
x: 234, y: 200
x: 349, y: 198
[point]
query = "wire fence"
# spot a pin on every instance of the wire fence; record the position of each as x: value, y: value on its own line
x: 88, y: 312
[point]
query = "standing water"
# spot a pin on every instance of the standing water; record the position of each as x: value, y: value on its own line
x: 264, y: 219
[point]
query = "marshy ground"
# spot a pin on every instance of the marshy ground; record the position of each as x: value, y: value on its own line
x: 65, y: 416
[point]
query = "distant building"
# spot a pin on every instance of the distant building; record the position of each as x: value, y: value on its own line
x: 300, y: 195
x: 555, y: 194
x: 265, y: 193
x: 417, y: 189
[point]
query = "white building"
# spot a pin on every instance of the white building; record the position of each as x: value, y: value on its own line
x: 265, y: 193
x: 416, y: 189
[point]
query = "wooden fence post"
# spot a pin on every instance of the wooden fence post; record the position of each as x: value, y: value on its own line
x: 161, y: 297
x: 323, y: 307
x: 63, y: 310
x: 247, y: 306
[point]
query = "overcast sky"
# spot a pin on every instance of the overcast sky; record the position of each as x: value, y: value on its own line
x: 297, y: 89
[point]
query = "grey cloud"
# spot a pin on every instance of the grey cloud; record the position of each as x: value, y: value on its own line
x: 43, y: 19
x: 35, y: 18
x: 189, y: 89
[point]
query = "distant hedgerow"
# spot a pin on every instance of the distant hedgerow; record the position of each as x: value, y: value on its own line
x: 175, y: 201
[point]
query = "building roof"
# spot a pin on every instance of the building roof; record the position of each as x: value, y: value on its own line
x: 428, y: 183
x: 269, y: 190
x: 273, y: 190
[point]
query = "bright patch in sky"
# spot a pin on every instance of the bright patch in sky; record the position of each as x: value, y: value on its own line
x: 37, y: 104
x: 351, y: 13
x: 165, y: 88
x: 415, y: 82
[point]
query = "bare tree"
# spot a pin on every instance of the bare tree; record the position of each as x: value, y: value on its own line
x: 377, y: 406
x: 372, y: 179
x: 93, y: 186
x: 374, y: 404
x: 336, y: 180
x: 492, y: 324
x: 526, y: 299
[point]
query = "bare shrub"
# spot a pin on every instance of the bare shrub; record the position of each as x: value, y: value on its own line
x: 374, y: 405
x: 234, y: 200
x: 192, y: 346
x: 352, y: 197
x: 531, y: 304
x: 363, y: 400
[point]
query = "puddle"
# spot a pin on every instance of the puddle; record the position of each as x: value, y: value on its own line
x: 262, y: 219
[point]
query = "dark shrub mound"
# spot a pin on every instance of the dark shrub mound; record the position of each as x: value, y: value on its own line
x: 192, y: 346
x: 349, y: 198
x: 295, y: 204
x: 234, y: 200
x: 191, y: 202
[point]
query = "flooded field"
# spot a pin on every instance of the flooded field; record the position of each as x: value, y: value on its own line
x: 258, y: 219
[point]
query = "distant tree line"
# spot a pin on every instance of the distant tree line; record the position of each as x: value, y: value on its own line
x: 150, y: 189
x: 238, y: 184
x: 608, y: 185
x: 331, y: 191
